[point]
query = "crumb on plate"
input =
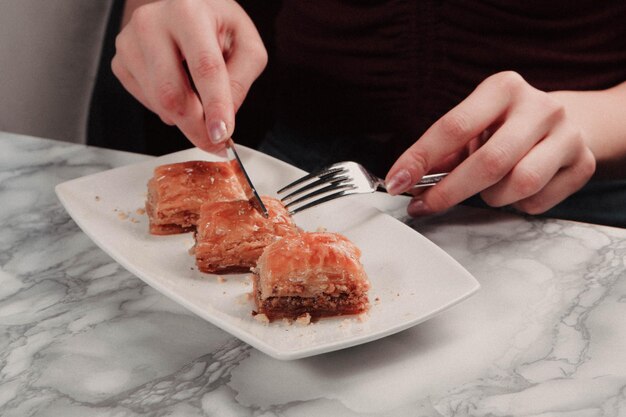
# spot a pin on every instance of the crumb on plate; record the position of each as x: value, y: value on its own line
x: 304, y: 320
x: 262, y: 318
x: 345, y: 323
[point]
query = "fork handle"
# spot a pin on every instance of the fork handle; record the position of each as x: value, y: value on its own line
x: 426, y: 181
x: 430, y: 180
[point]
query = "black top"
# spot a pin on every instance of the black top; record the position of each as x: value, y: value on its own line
x: 382, y: 71
x: 386, y: 70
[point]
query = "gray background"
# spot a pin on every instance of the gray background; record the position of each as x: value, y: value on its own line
x: 48, y: 61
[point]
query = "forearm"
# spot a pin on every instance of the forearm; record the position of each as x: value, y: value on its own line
x: 601, y: 115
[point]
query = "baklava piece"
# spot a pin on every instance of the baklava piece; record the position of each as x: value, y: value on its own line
x: 231, y: 235
x: 316, y: 273
x: 176, y: 192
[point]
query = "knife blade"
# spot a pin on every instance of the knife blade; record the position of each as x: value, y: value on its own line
x: 251, y: 193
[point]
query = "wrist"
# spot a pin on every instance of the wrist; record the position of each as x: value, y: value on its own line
x: 603, y: 129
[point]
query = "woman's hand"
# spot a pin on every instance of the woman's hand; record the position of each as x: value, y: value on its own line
x: 213, y: 42
x: 508, y: 141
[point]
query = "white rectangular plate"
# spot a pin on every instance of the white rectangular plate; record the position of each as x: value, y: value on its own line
x: 412, y: 279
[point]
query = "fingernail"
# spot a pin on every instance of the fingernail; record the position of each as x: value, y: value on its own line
x: 218, y: 131
x: 399, y: 182
x: 418, y: 208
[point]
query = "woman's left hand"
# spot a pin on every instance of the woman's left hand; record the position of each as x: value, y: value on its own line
x: 508, y: 141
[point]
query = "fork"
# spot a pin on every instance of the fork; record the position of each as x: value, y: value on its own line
x: 339, y: 180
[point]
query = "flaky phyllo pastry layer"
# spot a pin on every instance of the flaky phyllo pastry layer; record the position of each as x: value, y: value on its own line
x: 231, y: 235
x: 317, y: 273
x: 177, y: 191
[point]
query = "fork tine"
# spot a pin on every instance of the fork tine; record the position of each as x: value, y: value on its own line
x: 325, y: 179
x: 334, y: 186
x: 321, y: 200
x: 335, y: 181
x: 325, y: 171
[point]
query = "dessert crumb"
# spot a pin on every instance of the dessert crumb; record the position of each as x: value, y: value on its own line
x: 345, y: 323
x: 363, y: 317
x: 133, y: 220
x: 304, y: 320
x: 97, y: 198
x: 262, y: 318
x: 321, y: 229
x: 140, y: 211
x: 122, y: 216
x: 221, y: 279
x: 244, y: 298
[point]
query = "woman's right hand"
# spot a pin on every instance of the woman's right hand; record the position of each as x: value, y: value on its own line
x: 213, y: 42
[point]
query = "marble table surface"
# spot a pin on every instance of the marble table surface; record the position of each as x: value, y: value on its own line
x: 81, y: 336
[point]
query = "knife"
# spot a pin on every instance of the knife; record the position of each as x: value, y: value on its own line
x: 240, y: 172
